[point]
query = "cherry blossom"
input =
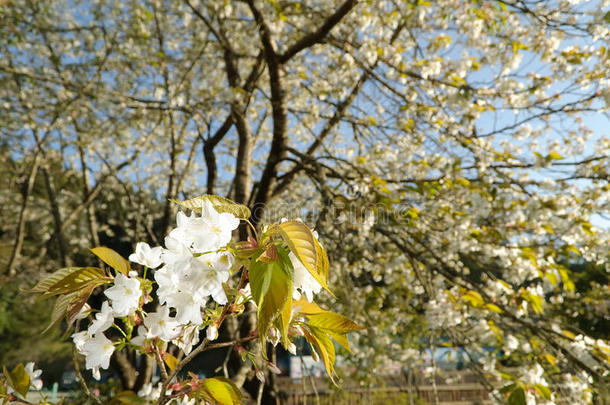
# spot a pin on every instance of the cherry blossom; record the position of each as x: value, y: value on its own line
x: 125, y: 295
x: 146, y: 256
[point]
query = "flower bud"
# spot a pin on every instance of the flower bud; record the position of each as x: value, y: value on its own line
x: 212, y: 332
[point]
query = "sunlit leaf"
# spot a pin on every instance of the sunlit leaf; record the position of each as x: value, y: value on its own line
x: 474, y: 298
x: 222, y: 390
x: 307, y: 308
x: 543, y: 391
x: 334, y: 322
x: 112, y: 259
x: 220, y: 204
x: 324, y: 347
x: 55, y: 279
x: 271, y: 285
x: 306, y: 248
x: 77, y: 280
x: 493, y: 308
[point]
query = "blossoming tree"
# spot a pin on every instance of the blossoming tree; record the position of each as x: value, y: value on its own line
x: 451, y: 154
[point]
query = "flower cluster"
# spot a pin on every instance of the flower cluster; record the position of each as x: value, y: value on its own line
x: 195, y: 264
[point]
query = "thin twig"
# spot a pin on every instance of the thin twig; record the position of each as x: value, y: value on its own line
x: 160, y: 363
x: 81, y: 379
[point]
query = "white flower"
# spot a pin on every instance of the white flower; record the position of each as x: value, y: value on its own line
x: 222, y: 224
x: 189, y: 336
x: 208, y: 278
x: 125, y: 295
x: 103, y: 320
x: 512, y: 343
x: 193, y: 232
x: 84, y: 312
x: 188, y: 307
x: 79, y: 339
x: 34, y: 374
x: 146, y: 256
x: 97, y: 353
x: 161, y: 325
x: 209, y: 232
x: 212, y: 332
x: 149, y: 393
x: 303, y: 280
x: 141, y: 338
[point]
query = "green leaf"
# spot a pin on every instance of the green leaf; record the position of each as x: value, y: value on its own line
x: 334, y: 322
x: 60, y: 309
x: 271, y: 285
x: 220, y: 204
x: 334, y: 325
x: 536, y: 303
x: 474, y: 298
x: 53, y: 279
x: 509, y: 387
x: 18, y: 379
x: 308, y: 308
x: 77, y: 280
x: 307, y: 249
x: 77, y: 303
x: 493, y: 308
x: 543, y: 391
x: 517, y: 397
x: 112, y: 259
x: 340, y: 338
x: 324, y: 347
x: 222, y: 390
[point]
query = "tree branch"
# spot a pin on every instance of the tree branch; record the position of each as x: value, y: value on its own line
x: 318, y: 35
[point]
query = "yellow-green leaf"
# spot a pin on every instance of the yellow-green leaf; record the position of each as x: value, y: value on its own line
x: 340, y: 338
x: 112, y: 259
x: 18, y: 379
x: 474, y: 298
x: 334, y: 322
x: 517, y: 396
x: 543, y: 391
x: 493, y: 308
x: 308, y: 308
x: 52, y: 279
x: 271, y: 285
x: 306, y: 248
x: 536, y: 303
x: 222, y: 390
x: 220, y: 204
x: 171, y: 361
x: 550, y: 358
x: 60, y: 309
x: 77, y: 302
x: 324, y: 348
x: 77, y: 280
